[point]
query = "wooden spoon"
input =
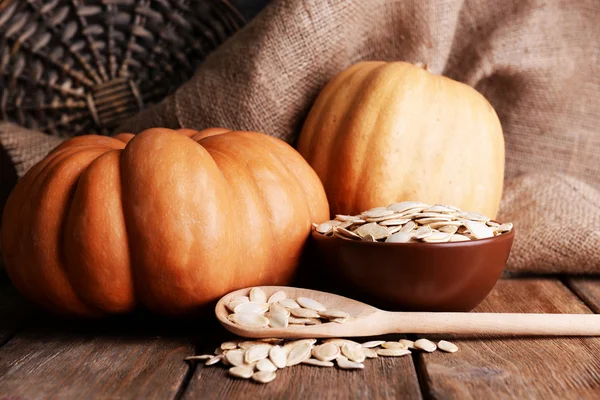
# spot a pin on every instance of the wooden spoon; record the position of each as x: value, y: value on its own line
x: 366, y: 320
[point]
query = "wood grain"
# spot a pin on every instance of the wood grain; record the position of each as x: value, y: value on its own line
x: 486, y: 368
x: 101, y: 359
x: 588, y: 290
x: 393, y: 378
x: 14, y: 309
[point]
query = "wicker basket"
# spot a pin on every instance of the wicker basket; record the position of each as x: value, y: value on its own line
x: 71, y: 67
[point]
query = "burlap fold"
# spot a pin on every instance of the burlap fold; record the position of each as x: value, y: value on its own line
x: 536, y: 61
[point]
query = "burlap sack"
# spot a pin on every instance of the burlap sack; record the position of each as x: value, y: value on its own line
x: 536, y: 61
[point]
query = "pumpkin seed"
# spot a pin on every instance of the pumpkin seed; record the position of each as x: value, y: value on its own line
x: 479, y: 229
x: 333, y: 314
x: 433, y: 224
x: 264, y: 376
x: 446, y: 346
x: 437, y: 237
x: 393, y: 345
x: 372, y: 229
x: 345, y: 233
x: 408, y: 343
x: 278, y: 357
x: 425, y: 345
x: 344, y: 363
x: 249, y: 343
x: 377, y: 212
x: 394, y: 222
x: 200, y: 357
x: 408, y: 227
x: 252, y: 307
x: 310, y: 304
x: 243, y: 372
x: 325, y: 228
x: 304, y: 313
x: 393, y: 352
x: 370, y: 353
x: 236, y: 302
x: 236, y: 357
x: 257, y: 353
x: 299, y: 353
x: 278, y: 308
x: 312, y: 321
x: 299, y: 321
x: 448, y: 229
x: 289, y: 303
x: 372, y: 343
x: 407, y: 205
x: 459, y: 238
x: 230, y: 345
x: 265, y: 365
x: 423, y: 232
x: 277, y: 320
x: 249, y: 319
x: 270, y: 340
x: 257, y: 295
x: 317, y: 363
x: 369, y: 238
x: 326, y: 352
x: 214, y: 360
x: 400, y: 237
x: 277, y: 297
x: 353, y: 352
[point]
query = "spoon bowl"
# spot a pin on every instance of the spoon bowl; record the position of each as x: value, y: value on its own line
x: 357, y: 310
x: 366, y: 320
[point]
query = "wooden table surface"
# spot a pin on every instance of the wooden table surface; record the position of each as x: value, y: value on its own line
x: 141, y: 357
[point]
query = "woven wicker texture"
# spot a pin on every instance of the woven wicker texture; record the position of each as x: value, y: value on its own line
x: 69, y: 67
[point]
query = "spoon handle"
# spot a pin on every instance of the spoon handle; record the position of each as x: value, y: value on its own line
x: 494, y: 323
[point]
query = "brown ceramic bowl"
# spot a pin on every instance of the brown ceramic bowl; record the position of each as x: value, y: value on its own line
x: 415, y: 276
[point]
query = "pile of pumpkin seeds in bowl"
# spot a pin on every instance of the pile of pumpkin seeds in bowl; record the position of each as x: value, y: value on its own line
x: 260, y: 359
x: 279, y: 311
x: 412, y: 222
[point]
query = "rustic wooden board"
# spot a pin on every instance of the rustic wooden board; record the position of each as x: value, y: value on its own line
x: 487, y: 368
x: 392, y: 378
x: 82, y: 360
x: 588, y: 290
x: 13, y: 309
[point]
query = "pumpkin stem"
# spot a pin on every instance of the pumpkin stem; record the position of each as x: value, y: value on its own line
x: 422, y: 65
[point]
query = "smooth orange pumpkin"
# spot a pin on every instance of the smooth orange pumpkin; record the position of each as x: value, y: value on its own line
x: 164, y: 219
x: 382, y: 132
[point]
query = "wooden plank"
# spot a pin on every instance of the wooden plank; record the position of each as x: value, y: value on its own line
x: 393, y: 378
x: 14, y: 309
x: 588, y: 290
x: 500, y: 368
x: 122, y: 358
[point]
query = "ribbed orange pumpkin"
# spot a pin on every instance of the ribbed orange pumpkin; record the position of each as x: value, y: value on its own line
x: 385, y: 132
x: 167, y: 220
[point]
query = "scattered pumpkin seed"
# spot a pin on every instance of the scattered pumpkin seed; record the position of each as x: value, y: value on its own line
x: 326, y: 352
x: 393, y: 352
x: 264, y: 376
x: 446, y: 346
x: 393, y: 345
x: 266, y: 365
x: 408, y: 343
x: 310, y: 304
x: 278, y: 357
x: 317, y: 363
x: 372, y: 343
x: 242, y: 371
x: 425, y: 345
x: 344, y: 363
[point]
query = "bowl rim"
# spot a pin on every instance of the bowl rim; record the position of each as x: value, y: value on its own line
x: 505, y: 236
